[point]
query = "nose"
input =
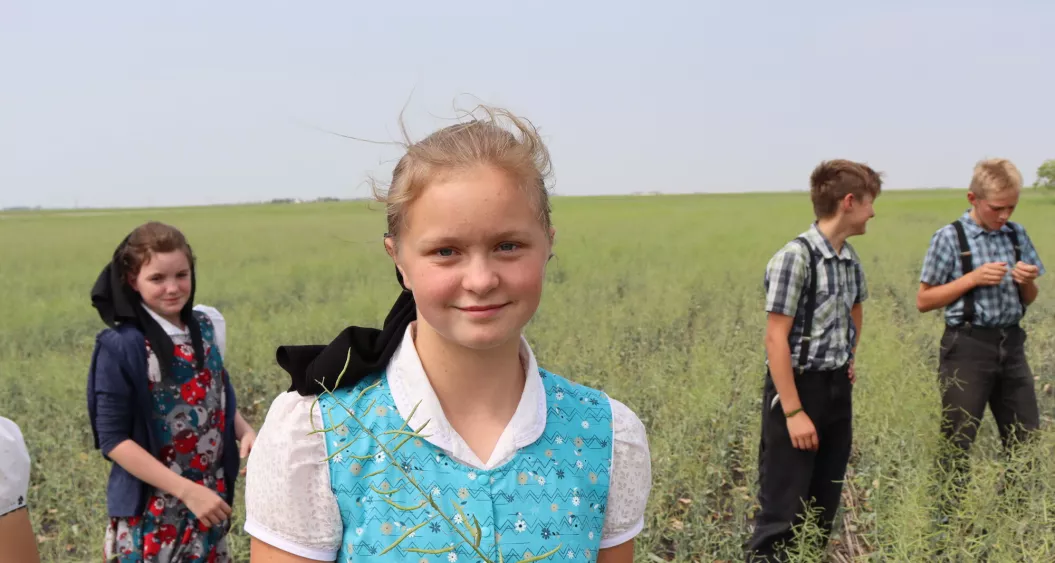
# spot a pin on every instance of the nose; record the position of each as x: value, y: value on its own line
x: 480, y: 276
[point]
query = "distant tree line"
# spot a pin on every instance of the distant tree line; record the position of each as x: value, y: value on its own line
x: 1046, y: 175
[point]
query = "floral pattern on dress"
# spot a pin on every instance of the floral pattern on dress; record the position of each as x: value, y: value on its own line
x: 188, y: 420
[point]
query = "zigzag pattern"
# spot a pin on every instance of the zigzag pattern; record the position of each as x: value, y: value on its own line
x: 553, y: 493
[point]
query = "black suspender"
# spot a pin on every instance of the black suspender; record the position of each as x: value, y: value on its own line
x: 1013, y: 235
x: 967, y: 265
x: 811, y: 302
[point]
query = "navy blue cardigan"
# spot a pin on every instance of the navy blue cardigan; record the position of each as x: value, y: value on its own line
x: 119, y: 406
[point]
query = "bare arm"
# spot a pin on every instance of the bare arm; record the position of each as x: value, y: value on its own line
x: 931, y: 297
x: 241, y: 426
x: 145, y: 467
x: 260, y: 552
x: 622, y: 553
x: 1028, y: 291
x: 857, y: 314
x: 800, y: 428
x: 16, y: 536
x: 779, y: 353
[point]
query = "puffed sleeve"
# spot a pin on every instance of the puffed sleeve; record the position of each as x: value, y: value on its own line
x: 288, y: 500
x: 219, y: 326
x: 14, y: 467
x: 631, y: 479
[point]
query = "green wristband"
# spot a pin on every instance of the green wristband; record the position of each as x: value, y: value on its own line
x: 793, y: 413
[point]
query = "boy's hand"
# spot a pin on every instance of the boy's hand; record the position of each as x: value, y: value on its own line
x: 1024, y: 273
x: 851, y: 373
x: 989, y: 274
x: 803, y: 434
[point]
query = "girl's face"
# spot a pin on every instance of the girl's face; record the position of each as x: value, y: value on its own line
x: 474, y: 253
x: 164, y: 283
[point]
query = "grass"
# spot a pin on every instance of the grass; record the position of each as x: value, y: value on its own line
x: 657, y: 300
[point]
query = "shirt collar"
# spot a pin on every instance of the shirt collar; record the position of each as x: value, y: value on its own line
x: 169, y: 328
x: 410, y: 387
x: 973, y: 229
x: 821, y: 243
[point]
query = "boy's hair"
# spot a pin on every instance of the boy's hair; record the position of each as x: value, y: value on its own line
x: 479, y: 141
x: 152, y: 238
x: 831, y: 180
x: 995, y: 176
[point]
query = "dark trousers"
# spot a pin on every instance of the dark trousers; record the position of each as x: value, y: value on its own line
x: 789, y: 478
x: 980, y: 366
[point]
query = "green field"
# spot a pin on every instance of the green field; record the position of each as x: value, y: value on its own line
x: 655, y: 299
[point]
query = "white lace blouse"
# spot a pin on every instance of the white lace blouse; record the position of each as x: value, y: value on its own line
x: 14, y: 467
x: 289, y: 503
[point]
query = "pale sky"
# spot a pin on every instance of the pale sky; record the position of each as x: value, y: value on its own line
x: 188, y: 103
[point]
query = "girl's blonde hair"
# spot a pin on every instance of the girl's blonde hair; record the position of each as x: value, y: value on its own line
x: 519, y: 152
x: 995, y: 176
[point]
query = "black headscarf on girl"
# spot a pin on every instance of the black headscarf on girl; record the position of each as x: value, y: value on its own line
x: 314, y: 368
x: 118, y: 303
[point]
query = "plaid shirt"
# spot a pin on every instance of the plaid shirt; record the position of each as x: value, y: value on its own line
x: 994, y: 306
x: 840, y: 284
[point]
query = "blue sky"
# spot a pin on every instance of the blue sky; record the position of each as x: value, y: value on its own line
x: 133, y: 103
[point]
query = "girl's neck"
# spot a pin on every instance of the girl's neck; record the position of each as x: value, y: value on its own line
x: 477, y: 383
x: 834, y: 232
x: 175, y: 320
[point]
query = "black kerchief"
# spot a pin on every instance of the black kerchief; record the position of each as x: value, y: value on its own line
x: 314, y: 368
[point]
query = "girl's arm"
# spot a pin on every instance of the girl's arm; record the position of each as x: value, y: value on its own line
x: 201, y: 500
x: 622, y: 553
x: 260, y: 552
x: 246, y: 436
x: 16, y: 535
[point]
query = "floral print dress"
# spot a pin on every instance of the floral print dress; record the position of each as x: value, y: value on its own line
x: 188, y: 419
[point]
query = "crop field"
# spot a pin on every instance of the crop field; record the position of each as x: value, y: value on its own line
x: 655, y: 299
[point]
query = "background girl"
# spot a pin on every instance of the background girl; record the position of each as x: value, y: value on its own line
x: 162, y: 406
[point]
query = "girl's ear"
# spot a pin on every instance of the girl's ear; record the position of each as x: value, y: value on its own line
x: 393, y: 253
x: 132, y: 282
x: 390, y: 246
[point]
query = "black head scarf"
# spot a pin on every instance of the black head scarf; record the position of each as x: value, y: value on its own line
x: 117, y: 303
x: 315, y: 368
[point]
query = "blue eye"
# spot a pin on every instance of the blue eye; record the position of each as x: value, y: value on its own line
x: 445, y: 252
x: 508, y: 246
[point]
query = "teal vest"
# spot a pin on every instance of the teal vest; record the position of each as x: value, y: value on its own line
x: 415, y: 503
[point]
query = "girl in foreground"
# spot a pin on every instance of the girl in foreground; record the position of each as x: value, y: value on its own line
x: 439, y: 438
x: 162, y: 406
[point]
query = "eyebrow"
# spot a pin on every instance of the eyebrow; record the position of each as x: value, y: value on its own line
x: 449, y: 240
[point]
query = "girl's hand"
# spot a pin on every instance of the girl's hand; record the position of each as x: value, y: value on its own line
x: 206, y: 505
x: 246, y: 445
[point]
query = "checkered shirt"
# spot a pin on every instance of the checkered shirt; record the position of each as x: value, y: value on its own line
x: 994, y: 306
x: 840, y: 284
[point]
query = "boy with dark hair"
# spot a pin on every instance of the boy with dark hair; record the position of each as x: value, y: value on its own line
x: 814, y: 288
x: 982, y: 269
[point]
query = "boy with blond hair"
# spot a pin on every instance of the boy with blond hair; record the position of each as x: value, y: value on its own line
x: 982, y: 269
x: 814, y: 288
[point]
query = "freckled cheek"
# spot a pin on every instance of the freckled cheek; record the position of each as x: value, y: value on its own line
x: 524, y: 279
x: 435, y: 287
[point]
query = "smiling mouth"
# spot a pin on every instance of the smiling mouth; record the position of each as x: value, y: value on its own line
x: 482, y: 308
